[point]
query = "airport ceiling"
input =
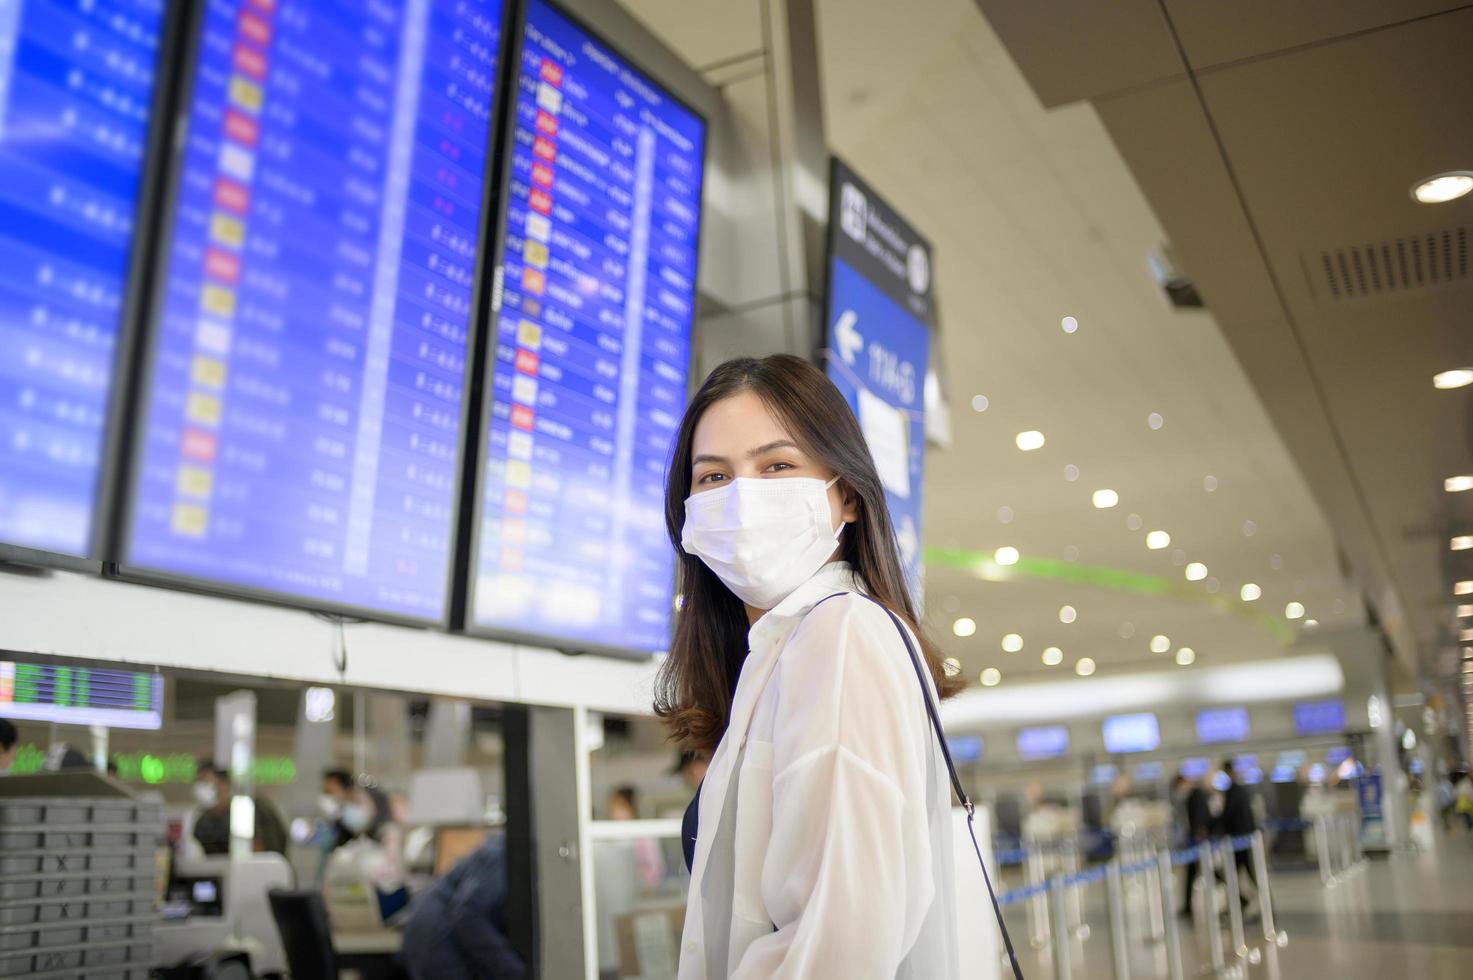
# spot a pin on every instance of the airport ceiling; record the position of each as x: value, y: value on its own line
x: 1035, y: 216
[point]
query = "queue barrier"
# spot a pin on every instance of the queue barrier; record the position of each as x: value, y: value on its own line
x: 1054, y: 895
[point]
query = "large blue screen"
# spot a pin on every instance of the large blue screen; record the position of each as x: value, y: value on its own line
x: 303, y: 407
x: 592, y: 339
x: 76, y: 85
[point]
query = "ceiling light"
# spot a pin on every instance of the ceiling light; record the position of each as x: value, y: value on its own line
x: 991, y: 677
x: 1196, y: 572
x: 964, y: 627
x: 1456, y: 378
x: 1067, y: 614
x: 1457, y: 484
x: 1155, y: 421
x: 1030, y: 440
x: 1006, y: 555
x: 1053, y: 656
x: 1249, y: 529
x: 1084, y: 667
x: 1466, y: 636
x: 1160, y: 644
x: 1012, y: 643
x: 1444, y: 187
x: 1134, y: 522
x: 1464, y: 587
x: 953, y: 666
x: 1157, y: 540
x: 1276, y: 562
x: 1069, y: 324
x: 1005, y: 515
x: 1310, y: 624
x: 1071, y: 472
x: 979, y: 403
x: 1461, y: 542
x: 1127, y: 630
x: 1209, y: 483
x: 1465, y: 611
x: 1249, y: 592
x: 1186, y: 656
x: 1071, y: 552
x: 1294, y: 610
x: 1104, y: 499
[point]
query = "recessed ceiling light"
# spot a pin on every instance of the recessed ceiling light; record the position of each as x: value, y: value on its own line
x: 1457, y: 484
x: 1461, y: 542
x: 1465, y: 611
x: 1249, y: 529
x: 964, y: 627
x: 1053, y: 656
x: 1444, y: 187
x: 1030, y: 440
x: 1209, y: 483
x: 979, y: 403
x: 953, y: 666
x: 1465, y: 587
x: 1134, y: 522
x: 1466, y: 636
x: 1070, y: 324
x: 1012, y: 643
x: 1157, y: 540
x: 1276, y: 562
x: 1196, y: 572
x: 1160, y: 644
x: 1067, y: 614
x: 1456, y: 378
x: 991, y: 677
x: 1084, y: 667
x: 1104, y: 499
x: 1006, y: 555
x: 1127, y: 630
x: 1071, y: 472
x: 1186, y: 656
x: 1071, y: 552
x: 1294, y: 610
x: 1249, y: 592
x: 1005, y: 515
x: 1155, y: 421
x: 1310, y: 624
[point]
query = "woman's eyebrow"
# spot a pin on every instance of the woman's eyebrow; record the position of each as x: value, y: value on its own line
x: 750, y: 454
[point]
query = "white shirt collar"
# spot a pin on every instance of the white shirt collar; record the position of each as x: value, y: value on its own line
x: 836, y: 576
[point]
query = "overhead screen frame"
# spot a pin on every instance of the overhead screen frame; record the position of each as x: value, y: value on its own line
x: 465, y: 604
x: 130, y: 322
x: 162, y: 242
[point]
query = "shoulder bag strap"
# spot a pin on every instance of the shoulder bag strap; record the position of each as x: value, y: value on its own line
x: 956, y: 783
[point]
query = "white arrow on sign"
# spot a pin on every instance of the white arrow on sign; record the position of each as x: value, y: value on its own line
x: 848, y: 339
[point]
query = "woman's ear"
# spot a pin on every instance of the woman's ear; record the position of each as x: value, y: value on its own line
x: 851, y: 504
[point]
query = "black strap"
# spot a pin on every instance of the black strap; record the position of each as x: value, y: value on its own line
x: 956, y: 783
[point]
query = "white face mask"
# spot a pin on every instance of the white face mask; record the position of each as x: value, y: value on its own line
x: 355, y: 818
x: 206, y: 795
x: 762, y: 538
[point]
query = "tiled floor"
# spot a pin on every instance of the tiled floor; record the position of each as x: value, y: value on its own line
x: 1407, y: 917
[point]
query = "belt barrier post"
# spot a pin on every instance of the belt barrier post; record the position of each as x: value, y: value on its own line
x: 1115, y: 893
x: 1358, y: 848
x: 1062, y: 970
x: 1156, y: 914
x: 1322, y: 848
x: 1075, y: 904
x: 1346, y: 860
x: 1208, y: 875
x: 1037, y: 904
x: 1234, y: 897
x: 1166, y: 881
x: 1265, y: 901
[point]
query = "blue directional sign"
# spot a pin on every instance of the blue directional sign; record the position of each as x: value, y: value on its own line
x: 880, y: 312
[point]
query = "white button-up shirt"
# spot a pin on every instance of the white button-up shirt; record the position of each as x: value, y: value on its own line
x: 824, y: 843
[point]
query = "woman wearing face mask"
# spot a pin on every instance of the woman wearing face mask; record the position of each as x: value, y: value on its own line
x: 819, y: 841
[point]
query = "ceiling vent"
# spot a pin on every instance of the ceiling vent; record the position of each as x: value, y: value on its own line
x: 1400, y: 265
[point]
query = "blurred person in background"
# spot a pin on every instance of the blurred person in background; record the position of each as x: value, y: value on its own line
x: 212, y: 821
x: 337, y: 787
x: 1463, y: 797
x: 9, y: 746
x: 624, y: 805
x: 1198, y: 807
x: 458, y: 929
x: 1237, y: 820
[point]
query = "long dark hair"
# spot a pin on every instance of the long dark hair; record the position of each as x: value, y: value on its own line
x: 693, y: 689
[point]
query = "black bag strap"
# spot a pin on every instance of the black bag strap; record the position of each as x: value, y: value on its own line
x: 956, y: 783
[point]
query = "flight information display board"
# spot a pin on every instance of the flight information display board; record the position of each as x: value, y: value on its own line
x: 76, y: 92
x: 1131, y: 733
x: 303, y: 410
x: 81, y: 695
x: 588, y: 376
x: 1222, y: 725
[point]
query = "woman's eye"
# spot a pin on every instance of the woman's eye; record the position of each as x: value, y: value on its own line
x: 779, y: 467
x: 711, y: 478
